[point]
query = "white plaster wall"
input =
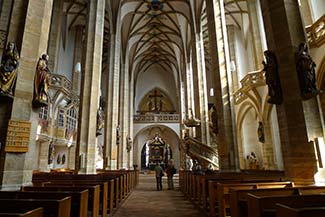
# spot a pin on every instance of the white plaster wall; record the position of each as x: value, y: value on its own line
x: 261, y: 25
x: 241, y: 55
x: 152, y: 78
x: 317, y: 8
x: 250, y: 138
x: 65, y: 61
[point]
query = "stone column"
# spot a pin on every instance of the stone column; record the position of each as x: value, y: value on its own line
x: 284, y: 32
x: 268, y: 148
x: 200, y: 93
x: 220, y: 67
x: 90, y: 90
x: 43, y: 156
x: 55, y: 33
x: 30, y: 31
x: 256, y: 35
x: 6, y: 6
x: 124, y: 116
x: 113, y: 100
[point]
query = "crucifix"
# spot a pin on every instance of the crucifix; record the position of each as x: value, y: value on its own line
x: 155, y: 97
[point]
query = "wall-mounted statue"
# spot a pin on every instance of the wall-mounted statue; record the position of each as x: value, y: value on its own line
x: 260, y: 132
x: 50, y: 155
x: 8, y: 70
x: 41, y: 82
x: 129, y: 143
x: 306, y: 72
x: 100, y: 121
x: 118, y: 129
x: 213, y: 119
x: 272, y: 78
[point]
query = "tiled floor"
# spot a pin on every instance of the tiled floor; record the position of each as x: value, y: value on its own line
x: 145, y: 201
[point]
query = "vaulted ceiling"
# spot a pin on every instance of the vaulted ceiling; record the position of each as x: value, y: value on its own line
x: 155, y: 32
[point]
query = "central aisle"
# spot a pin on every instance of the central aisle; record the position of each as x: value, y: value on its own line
x: 146, y: 201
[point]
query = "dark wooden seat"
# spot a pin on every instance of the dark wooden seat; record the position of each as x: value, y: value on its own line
x: 103, y: 190
x: 51, y: 207
x: 80, y: 201
x: 238, y: 197
x: 266, y: 205
x: 287, y: 211
x: 219, y: 192
x: 38, y: 212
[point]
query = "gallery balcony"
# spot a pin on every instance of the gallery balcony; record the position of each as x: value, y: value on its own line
x: 156, y: 118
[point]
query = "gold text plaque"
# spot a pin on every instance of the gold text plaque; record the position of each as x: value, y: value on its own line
x: 18, y: 134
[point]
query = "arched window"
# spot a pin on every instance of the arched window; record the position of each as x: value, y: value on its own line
x: 61, y: 118
x: 43, y: 113
x: 72, y: 119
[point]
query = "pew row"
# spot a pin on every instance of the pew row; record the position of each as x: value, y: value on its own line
x: 38, y: 212
x: 51, y: 207
x: 238, y: 197
x: 287, y: 211
x: 259, y: 206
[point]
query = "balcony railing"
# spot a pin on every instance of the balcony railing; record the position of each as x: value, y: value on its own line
x: 316, y: 33
x: 156, y: 118
x: 251, y: 80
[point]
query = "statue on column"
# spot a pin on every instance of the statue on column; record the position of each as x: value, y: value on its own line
x: 100, y: 119
x: 129, y: 143
x: 41, y: 82
x: 272, y: 78
x: 50, y: 156
x: 118, y: 135
x: 213, y: 117
x: 8, y: 70
x: 260, y: 132
x: 306, y: 72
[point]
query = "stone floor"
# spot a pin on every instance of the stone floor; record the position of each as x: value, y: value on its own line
x: 146, y: 201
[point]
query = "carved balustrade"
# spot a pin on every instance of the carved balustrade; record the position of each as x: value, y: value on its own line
x: 250, y: 81
x: 316, y: 33
x: 204, y: 154
x: 156, y: 118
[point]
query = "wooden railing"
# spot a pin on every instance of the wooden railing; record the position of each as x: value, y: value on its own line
x: 316, y: 33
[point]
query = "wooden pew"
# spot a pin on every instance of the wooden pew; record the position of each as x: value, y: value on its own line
x: 38, y: 212
x: 91, y: 202
x: 238, y: 197
x: 195, y: 185
x: 259, y: 206
x: 287, y: 211
x: 79, y: 200
x: 219, y: 192
x: 120, y: 179
x: 98, y: 192
x: 51, y: 207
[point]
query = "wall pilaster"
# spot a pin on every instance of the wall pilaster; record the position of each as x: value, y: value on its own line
x: 284, y: 32
x: 220, y: 65
x: 90, y: 90
x: 30, y: 31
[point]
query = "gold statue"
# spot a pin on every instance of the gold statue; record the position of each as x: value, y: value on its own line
x: 8, y: 70
x: 41, y: 82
